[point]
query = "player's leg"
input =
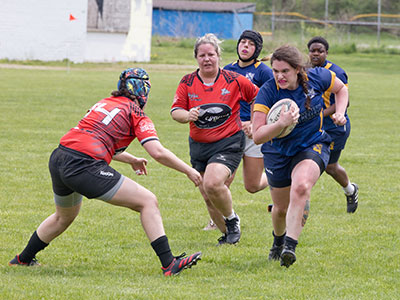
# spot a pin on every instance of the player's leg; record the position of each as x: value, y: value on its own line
x: 220, y: 196
x: 216, y: 218
x: 67, y: 208
x: 215, y: 214
x: 136, y: 197
x: 339, y: 174
x: 304, y: 176
x: 254, y: 177
x: 280, y: 198
x: 214, y: 186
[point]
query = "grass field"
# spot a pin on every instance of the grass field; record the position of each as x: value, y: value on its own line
x: 105, y: 254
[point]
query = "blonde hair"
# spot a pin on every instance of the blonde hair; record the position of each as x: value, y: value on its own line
x: 208, y: 38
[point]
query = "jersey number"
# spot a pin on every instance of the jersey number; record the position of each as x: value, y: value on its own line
x: 99, y: 107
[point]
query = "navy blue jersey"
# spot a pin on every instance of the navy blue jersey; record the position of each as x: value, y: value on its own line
x: 258, y: 73
x: 330, y: 99
x: 309, y: 130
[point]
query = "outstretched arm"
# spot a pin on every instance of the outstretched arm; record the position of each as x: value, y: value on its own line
x: 138, y: 164
x: 169, y: 159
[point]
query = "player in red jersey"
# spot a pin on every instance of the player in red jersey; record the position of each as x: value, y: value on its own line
x: 209, y: 100
x: 80, y: 167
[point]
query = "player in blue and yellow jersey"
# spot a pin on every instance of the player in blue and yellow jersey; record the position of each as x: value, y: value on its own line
x: 249, y: 47
x: 318, y: 50
x: 79, y: 167
x: 296, y: 161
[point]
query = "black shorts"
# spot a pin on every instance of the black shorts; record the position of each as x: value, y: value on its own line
x: 73, y: 171
x: 228, y: 151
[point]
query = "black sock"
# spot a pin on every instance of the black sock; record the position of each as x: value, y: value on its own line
x: 290, y: 243
x: 35, y: 244
x: 161, y: 247
x: 279, y: 240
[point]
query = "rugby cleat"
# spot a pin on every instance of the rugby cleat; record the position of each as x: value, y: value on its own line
x: 180, y: 263
x: 222, y: 240
x: 275, y: 252
x: 288, y: 257
x: 233, y: 230
x: 16, y: 262
x: 352, y: 200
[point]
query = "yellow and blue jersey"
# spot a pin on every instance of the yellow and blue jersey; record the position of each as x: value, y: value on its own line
x: 258, y: 73
x: 309, y: 129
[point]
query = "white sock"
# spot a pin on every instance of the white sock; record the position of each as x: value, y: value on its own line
x: 233, y: 215
x: 349, y: 189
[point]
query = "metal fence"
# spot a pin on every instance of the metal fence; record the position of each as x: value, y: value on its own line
x: 269, y: 22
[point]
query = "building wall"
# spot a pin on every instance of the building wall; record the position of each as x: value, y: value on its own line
x: 225, y: 25
x: 121, y: 32
x: 42, y: 30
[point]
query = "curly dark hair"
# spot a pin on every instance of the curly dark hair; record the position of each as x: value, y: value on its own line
x: 318, y: 39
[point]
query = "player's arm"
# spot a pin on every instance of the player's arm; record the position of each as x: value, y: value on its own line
x: 138, y: 164
x: 169, y: 159
x: 263, y: 132
x: 330, y: 110
x: 183, y: 116
x: 341, y: 101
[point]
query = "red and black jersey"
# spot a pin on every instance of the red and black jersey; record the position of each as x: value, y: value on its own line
x: 219, y: 104
x: 109, y: 127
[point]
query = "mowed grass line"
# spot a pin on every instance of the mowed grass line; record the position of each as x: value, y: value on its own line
x: 105, y: 254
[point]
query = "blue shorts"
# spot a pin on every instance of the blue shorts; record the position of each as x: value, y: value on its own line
x: 279, y: 167
x: 339, y: 138
x: 228, y: 151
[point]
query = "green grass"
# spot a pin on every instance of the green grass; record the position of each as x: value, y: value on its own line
x: 105, y: 253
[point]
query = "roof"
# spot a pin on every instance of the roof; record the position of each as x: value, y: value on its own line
x: 204, y: 6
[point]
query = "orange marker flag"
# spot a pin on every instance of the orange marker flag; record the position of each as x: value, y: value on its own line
x: 71, y: 17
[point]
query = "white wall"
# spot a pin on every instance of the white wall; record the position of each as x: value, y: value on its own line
x: 41, y: 29
x: 129, y: 41
x: 138, y: 42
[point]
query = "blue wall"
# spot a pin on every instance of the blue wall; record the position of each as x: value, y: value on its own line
x: 195, y: 23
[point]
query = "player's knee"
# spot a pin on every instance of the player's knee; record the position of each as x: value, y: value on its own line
x: 252, y: 188
x: 331, y: 169
x: 65, y: 220
x: 152, y: 201
x: 302, y: 189
x: 279, y: 211
x: 211, y: 187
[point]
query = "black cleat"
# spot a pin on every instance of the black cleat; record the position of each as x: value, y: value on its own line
x: 16, y: 262
x: 288, y: 257
x: 275, y: 252
x: 222, y: 240
x: 233, y: 230
x: 180, y: 263
x: 352, y: 200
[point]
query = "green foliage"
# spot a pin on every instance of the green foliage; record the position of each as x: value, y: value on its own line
x: 105, y: 254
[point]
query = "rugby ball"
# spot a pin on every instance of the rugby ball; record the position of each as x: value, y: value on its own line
x: 275, y: 111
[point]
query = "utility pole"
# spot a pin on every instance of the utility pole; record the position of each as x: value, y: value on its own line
x: 273, y: 17
x: 379, y: 23
x: 326, y: 14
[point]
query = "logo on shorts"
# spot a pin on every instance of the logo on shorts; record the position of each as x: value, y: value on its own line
x: 221, y: 157
x: 106, y: 174
x: 269, y: 171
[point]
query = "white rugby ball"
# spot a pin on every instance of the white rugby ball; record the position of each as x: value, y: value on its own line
x: 275, y: 111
